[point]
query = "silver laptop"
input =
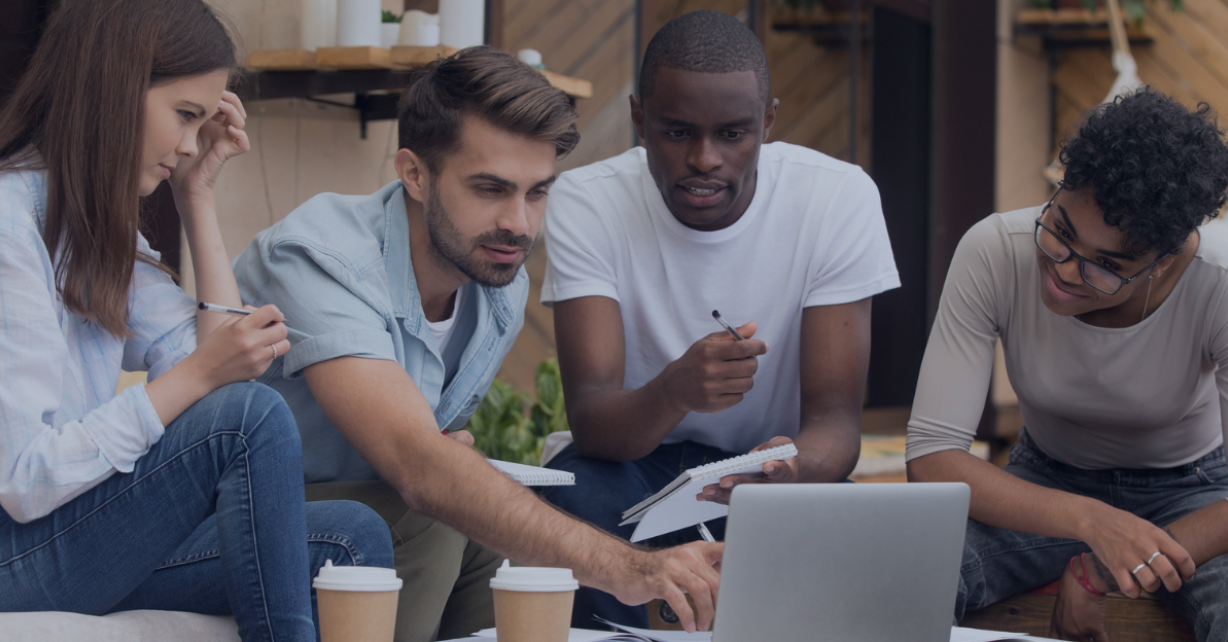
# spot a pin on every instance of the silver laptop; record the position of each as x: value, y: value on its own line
x: 841, y: 562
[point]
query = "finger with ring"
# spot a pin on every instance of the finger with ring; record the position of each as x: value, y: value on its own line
x: 1153, y: 557
x: 274, y: 351
x: 1139, y: 568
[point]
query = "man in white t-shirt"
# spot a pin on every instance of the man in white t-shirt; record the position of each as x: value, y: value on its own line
x: 782, y: 240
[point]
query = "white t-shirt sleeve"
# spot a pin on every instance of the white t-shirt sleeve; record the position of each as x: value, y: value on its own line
x: 579, y: 245
x: 852, y: 256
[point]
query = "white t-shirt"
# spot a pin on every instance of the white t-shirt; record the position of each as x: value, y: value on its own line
x: 813, y: 235
x: 441, y: 331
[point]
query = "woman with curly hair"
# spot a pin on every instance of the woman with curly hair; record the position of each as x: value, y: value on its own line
x: 1112, y: 308
x: 184, y: 494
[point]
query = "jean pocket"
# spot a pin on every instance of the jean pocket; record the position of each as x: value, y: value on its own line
x: 1214, y: 476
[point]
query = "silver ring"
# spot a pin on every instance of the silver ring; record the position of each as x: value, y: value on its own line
x: 1153, y: 557
x: 275, y: 356
x: 1139, y: 568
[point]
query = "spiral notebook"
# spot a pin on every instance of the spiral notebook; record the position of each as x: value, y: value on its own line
x: 675, y: 507
x: 533, y: 475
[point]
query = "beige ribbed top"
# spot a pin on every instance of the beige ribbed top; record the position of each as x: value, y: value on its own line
x: 1146, y: 396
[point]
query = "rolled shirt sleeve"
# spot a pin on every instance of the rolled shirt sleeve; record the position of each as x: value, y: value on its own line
x: 43, y: 462
x: 317, y: 290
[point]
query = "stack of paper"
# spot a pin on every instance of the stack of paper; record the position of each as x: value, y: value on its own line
x: 675, y: 507
x: 533, y: 475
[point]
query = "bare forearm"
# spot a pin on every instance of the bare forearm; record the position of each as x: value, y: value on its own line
x: 215, y: 282
x: 1005, y: 501
x: 504, y: 516
x: 827, y: 453
x: 622, y: 425
x: 1204, y: 532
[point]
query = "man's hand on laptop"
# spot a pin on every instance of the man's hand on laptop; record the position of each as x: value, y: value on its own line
x: 715, y: 372
x: 671, y: 574
x: 774, y: 472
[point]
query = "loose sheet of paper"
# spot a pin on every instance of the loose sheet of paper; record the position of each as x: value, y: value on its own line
x: 961, y: 634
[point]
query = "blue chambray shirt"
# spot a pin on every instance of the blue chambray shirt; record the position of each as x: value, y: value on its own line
x: 63, y: 429
x: 339, y: 268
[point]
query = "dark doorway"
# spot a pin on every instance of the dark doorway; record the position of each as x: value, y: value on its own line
x: 900, y: 157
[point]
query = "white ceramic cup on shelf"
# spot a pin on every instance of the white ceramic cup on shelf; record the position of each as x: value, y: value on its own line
x: 419, y: 29
x: 462, y: 23
x: 388, y: 33
x: 358, y: 23
x: 318, y: 24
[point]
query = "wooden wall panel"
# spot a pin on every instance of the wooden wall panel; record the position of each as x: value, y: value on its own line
x: 1187, y: 60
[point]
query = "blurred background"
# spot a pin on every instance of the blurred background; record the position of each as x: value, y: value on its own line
x: 954, y: 107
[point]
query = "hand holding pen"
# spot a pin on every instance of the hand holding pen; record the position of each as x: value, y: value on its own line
x: 242, y: 350
x: 716, y: 371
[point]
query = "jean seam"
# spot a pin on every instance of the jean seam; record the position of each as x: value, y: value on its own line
x: 1050, y: 542
x: 123, y: 492
x: 340, y: 540
x: 190, y: 559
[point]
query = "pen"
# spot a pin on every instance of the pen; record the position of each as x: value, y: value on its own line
x: 703, y: 528
x: 715, y: 315
x: 224, y: 309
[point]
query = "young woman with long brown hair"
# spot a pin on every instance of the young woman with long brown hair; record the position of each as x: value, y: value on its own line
x: 186, y: 493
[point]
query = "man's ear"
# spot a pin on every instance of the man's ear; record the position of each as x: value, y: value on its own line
x: 637, y: 116
x: 769, y: 118
x: 413, y: 174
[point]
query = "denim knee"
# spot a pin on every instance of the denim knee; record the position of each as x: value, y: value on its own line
x: 262, y: 414
x: 353, y: 534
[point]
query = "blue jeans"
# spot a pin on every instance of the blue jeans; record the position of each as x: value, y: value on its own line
x: 604, y: 490
x: 212, y: 520
x: 999, y: 563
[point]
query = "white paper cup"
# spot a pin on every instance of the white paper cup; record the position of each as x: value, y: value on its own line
x: 356, y: 603
x: 533, y: 604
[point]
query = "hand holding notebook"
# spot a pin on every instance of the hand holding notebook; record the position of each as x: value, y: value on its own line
x: 675, y: 507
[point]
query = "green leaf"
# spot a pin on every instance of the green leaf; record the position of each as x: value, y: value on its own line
x: 503, y: 429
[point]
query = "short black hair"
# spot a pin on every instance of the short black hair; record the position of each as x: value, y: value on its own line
x: 708, y: 42
x: 1157, y: 169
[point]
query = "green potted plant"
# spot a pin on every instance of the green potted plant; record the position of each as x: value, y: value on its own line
x: 503, y: 430
x: 389, y: 28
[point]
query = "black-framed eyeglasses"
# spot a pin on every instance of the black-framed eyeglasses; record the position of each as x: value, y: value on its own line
x: 1094, y: 274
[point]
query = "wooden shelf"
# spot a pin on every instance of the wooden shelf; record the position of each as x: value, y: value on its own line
x: 373, y: 74
x: 362, y: 59
x: 354, y: 58
x: 281, y: 60
x: 1074, y: 28
x: 419, y: 56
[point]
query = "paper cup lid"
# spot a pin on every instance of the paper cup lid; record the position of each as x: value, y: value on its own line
x: 356, y: 578
x: 533, y: 579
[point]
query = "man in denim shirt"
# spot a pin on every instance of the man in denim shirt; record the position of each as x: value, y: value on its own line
x: 401, y: 306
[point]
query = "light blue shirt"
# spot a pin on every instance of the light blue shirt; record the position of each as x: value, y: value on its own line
x: 63, y: 430
x: 339, y: 268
